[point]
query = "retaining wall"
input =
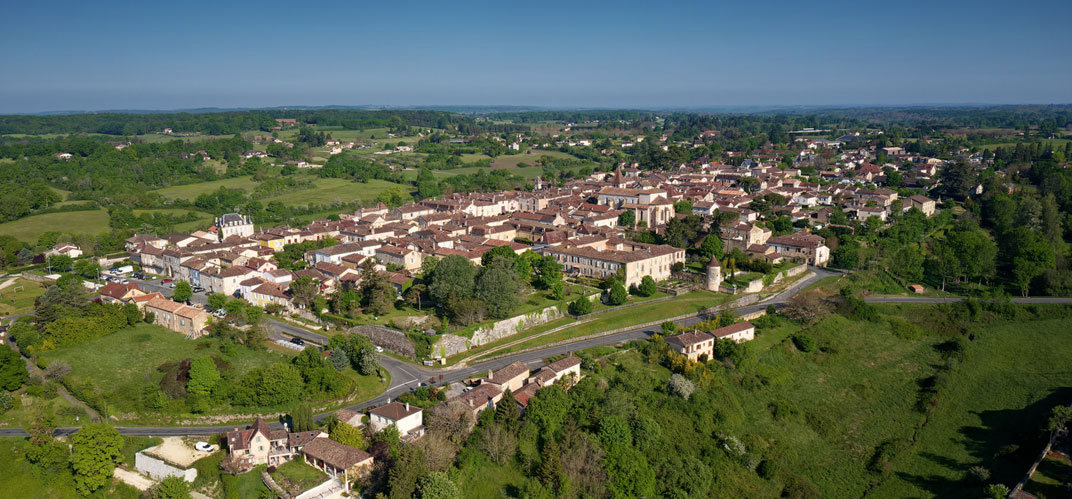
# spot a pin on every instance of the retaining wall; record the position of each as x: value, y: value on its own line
x: 159, y: 469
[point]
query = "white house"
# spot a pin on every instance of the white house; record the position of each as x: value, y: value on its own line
x: 408, y: 419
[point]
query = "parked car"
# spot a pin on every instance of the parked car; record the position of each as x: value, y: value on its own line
x: 297, y: 341
x: 165, y: 281
x: 198, y: 289
x: 124, y: 281
x: 204, y: 447
x: 171, y: 284
x: 379, y: 349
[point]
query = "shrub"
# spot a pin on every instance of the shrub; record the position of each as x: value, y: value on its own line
x: 647, y: 286
x: 978, y: 474
x: 580, y: 306
x: 617, y: 294
x: 804, y: 342
x: 680, y: 386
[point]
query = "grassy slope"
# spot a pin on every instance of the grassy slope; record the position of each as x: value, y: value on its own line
x: 121, y: 364
x: 20, y: 479
x: 328, y: 190
x: 191, y: 191
x: 29, y: 229
x: 1015, y: 373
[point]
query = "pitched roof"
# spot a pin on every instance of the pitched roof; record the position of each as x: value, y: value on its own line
x: 337, y: 455
x: 566, y: 363
x: 509, y: 372
x: 395, y: 411
x: 689, y: 338
x: 732, y: 329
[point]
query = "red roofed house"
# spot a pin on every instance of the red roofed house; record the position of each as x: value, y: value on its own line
x: 184, y: 319
x: 693, y: 344
x: 114, y: 292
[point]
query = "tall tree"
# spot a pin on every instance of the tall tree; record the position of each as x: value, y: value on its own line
x: 94, y: 451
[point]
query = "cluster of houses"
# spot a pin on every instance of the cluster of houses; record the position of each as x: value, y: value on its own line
x: 576, y: 223
x: 259, y: 444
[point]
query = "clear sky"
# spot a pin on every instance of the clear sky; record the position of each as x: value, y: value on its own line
x: 94, y: 55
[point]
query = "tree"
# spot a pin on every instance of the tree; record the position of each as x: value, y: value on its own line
x: 414, y: 293
x: 506, y: 411
x: 647, y: 286
x: 683, y: 207
x: 407, y: 470
x: 339, y: 359
x: 958, y: 180
x: 216, y: 301
x: 680, y: 386
x: 172, y: 487
x: 183, y: 292
x: 13, y: 371
x: 437, y: 485
x: 301, y: 418
x: 304, y: 289
x: 617, y: 295
x: 94, y: 451
x: 452, y: 280
x: 349, y: 435
x: 627, y: 218
x: 558, y: 290
x: 546, y: 272
x: 550, y: 463
x: 668, y: 328
x: 497, y: 287
x: 711, y: 247
x: 203, y: 376
x: 580, y: 306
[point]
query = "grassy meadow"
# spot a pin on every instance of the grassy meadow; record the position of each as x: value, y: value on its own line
x: 29, y: 229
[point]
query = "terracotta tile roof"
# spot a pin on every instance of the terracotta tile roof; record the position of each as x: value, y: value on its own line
x: 395, y: 411
x: 337, y: 455
x: 732, y: 329
x: 689, y: 338
x: 509, y: 372
x: 566, y: 363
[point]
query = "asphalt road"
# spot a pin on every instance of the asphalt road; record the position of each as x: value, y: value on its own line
x: 924, y: 299
x: 405, y: 376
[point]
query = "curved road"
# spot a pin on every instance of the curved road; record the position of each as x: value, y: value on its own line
x: 406, y: 375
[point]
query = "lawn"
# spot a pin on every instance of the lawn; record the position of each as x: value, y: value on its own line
x: 1051, y: 477
x: 29, y: 229
x: 22, y: 479
x: 18, y: 297
x: 122, y: 364
x: 191, y: 191
x: 648, y: 312
x: 296, y: 476
x: 1015, y: 373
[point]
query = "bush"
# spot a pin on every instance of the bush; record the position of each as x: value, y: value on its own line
x: 804, y: 342
x: 580, y: 306
x: 647, y: 286
x: 978, y: 474
x: 617, y: 295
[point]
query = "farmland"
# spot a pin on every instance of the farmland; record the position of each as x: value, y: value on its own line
x: 29, y: 229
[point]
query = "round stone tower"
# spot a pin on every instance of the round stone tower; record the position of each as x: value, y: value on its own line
x: 714, y: 275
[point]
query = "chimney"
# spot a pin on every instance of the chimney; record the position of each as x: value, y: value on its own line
x: 407, y: 406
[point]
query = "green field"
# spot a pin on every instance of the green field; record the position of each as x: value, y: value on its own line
x: 22, y: 479
x: 29, y: 229
x: 18, y: 297
x: 1056, y: 143
x: 296, y: 477
x: 191, y: 191
x: 329, y: 190
x: 1014, y: 375
x: 122, y: 364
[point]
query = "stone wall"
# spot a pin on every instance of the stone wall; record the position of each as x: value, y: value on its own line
x: 160, y: 470
x: 513, y: 325
x: 389, y: 339
x: 449, y: 344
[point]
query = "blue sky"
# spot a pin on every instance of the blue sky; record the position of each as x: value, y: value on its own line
x: 104, y: 54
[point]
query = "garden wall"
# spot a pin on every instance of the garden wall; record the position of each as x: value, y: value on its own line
x: 160, y: 470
